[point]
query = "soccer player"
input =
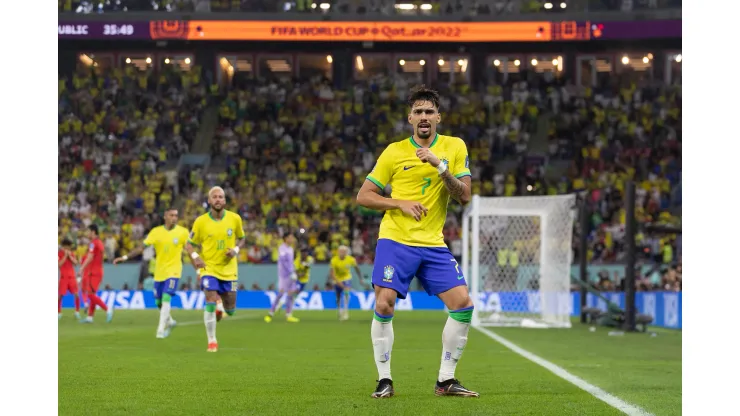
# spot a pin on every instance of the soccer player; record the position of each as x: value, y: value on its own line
x: 67, y: 278
x: 92, y: 274
x: 303, y: 263
x: 169, y: 241
x: 424, y: 170
x: 340, y: 274
x: 287, y: 277
x: 82, y: 280
x: 220, y: 235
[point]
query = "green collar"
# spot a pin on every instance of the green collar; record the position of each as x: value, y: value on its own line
x: 413, y: 142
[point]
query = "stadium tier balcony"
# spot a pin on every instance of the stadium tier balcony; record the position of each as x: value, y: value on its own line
x: 386, y: 7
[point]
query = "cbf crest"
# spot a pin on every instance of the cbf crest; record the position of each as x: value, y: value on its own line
x: 229, y: 232
x: 388, y: 273
x: 445, y: 162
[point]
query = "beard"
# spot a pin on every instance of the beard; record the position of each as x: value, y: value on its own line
x: 424, y: 135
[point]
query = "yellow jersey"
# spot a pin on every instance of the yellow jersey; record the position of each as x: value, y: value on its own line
x: 215, y: 237
x: 168, y: 246
x: 303, y: 268
x: 342, y: 267
x: 413, y: 180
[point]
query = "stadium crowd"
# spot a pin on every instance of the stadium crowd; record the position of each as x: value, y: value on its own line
x: 291, y: 155
x: 118, y: 132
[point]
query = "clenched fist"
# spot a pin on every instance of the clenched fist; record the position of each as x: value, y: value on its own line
x: 426, y: 156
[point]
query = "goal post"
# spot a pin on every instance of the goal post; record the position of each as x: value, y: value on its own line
x: 517, y: 254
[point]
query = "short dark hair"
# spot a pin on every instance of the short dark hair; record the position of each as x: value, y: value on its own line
x: 170, y: 209
x: 66, y: 242
x: 422, y: 93
x: 93, y: 228
x: 287, y: 234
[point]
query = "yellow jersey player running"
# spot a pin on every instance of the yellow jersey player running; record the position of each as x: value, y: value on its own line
x: 220, y: 235
x: 341, y: 275
x: 424, y: 171
x: 303, y: 263
x: 168, y: 241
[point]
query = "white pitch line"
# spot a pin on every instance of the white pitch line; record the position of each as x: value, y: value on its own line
x: 611, y: 400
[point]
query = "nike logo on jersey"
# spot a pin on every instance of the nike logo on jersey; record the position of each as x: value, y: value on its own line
x: 407, y: 167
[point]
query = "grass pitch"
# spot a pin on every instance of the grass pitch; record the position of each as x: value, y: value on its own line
x: 324, y: 367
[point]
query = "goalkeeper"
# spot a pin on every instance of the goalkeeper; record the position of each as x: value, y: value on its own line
x: 287, y: 278
x: 303, y: 263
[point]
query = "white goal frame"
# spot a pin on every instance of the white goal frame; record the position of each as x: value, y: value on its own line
x: 553, y: 307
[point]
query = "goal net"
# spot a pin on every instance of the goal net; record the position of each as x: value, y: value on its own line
x: 517, y: 252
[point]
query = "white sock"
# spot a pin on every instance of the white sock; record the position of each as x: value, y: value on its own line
x: 220, y: 307
x: 164, y: 316
x: 382, y: 336
x: 210, y: 320
x: 454, y: 338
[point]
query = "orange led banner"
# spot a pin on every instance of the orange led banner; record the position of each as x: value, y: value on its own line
x: 352, y: 31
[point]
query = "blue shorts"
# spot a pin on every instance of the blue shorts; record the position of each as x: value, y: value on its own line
x: 300, y: 286
x: 168, y: 286
x: 347, y: 284
x: 218, y: 285
x: 397, y: 264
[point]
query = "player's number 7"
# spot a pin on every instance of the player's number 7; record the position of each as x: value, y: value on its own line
x: 427, y: 182
x: 457, y: 267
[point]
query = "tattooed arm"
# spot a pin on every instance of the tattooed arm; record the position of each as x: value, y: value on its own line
x: 459, y: 189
